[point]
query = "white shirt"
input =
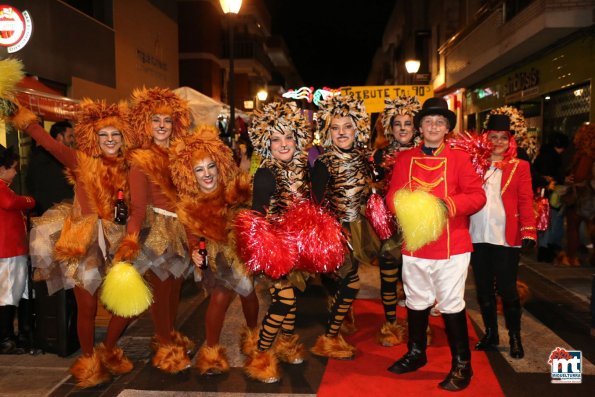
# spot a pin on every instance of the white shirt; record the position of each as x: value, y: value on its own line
x: 489, y: 224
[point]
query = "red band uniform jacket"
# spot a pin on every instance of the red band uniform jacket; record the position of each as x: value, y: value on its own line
x: 449, y: 175
x: 13, y: 228
x: 517, y: 198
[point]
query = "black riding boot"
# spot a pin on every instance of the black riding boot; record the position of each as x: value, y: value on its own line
x: 25, y: 338
x: 512, y: 315
x: 415, y: 358
x: 7, y: 344
x: 460, y: 373
x: 490, y: 339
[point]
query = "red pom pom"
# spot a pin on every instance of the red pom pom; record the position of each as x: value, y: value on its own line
x: 319, y: 237
x: 263, y: 247
x: 478, y: 147
x: 380, y: 218
x: 542, y: 209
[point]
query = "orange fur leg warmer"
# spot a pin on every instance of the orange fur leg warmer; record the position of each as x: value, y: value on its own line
x: 289, y: 349
x: 212, y: 360
x: 114, y: 360
x: 263, y: 366
x: 392, y: 333
x: 171, y: 359
x: 89, y: 371
x: 333, y: 347
x: 248, y: 341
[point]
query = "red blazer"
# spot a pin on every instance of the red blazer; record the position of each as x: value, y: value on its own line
x: 13, y: 228
x: 449, y: 175
x: 517, y: 197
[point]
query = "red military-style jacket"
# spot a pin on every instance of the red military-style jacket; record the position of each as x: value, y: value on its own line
x: 13, y: 228
x: 448, y: 175
x: 517, y: 197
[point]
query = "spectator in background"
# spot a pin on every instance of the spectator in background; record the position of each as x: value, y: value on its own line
x: 13, y: 249
x: 45, y: 179
x: 550, y: 170
x: 582, y: 207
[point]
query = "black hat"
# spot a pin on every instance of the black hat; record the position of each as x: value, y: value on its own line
x: 436, y: 106
x: 498, y: 122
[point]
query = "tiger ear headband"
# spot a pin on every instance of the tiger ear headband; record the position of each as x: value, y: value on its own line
x: 343, y: 106
x: 281, y: 117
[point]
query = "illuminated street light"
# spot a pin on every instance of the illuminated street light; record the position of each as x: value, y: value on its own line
x: 231, y: 8
x: 262, y: 95
x: 412, y: 66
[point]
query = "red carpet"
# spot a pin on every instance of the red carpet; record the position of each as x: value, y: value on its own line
x: 367, y: 374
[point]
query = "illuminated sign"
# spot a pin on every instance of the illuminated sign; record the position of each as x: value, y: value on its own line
x: 15, y: 28
x: 310, y: 95
x: 374, y: 96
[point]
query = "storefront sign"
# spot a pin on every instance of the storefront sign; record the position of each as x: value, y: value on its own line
x: 374, y: 96
x: 15, y: 28
x: 521, y: 81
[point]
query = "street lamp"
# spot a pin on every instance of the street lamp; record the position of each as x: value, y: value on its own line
x: 262, y: 95
x: 412, y: 66
x: 231, y: 8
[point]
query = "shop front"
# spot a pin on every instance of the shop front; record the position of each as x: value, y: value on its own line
x: 552, y: 88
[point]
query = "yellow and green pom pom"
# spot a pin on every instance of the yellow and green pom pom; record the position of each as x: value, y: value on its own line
x: 125, y: 292
x: 421, y: 216
x: 11, y: 72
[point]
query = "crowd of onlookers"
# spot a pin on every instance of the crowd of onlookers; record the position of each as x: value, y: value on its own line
x: 564, y: 168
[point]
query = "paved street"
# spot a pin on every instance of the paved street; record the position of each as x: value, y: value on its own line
x: 557, y: 315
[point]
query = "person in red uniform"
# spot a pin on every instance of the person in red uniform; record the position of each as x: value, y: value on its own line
x: 498, y: 230
x: 437, y: 271
x: 158, y: 116
x: 89, y: 236
x: 13, y: 248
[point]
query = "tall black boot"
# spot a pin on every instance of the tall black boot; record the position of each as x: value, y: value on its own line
x: 490, y: 339
x: 512, y: 315
x: 460, y: 373
x: 24, y: 312
x: 7, y: 344
x: 415, y: 358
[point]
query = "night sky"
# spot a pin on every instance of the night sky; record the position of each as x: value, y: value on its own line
x: 332, y: 42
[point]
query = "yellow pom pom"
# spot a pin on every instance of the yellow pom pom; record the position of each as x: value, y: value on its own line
x: 125, y: 292
x: 421, y: 216
x: 11, y: 72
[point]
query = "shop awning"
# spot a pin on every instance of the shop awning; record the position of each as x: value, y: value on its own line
x: 45, y: 101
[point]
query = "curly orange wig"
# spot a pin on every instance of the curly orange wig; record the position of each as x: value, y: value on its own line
x: 144, y: 103
x: 186, y: 151
x: 95, y: 115
x: 584, y: 140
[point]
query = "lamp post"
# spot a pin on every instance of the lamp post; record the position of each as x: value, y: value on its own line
x: 261, y: 96
x: 231, y: 8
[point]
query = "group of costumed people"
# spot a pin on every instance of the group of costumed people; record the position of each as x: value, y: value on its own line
x: 289, y: 223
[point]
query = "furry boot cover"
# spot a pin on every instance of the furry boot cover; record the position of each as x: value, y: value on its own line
x: 171, y: 359
x: 263, y: 366
x: 348, y: 327
x: 114, y: 360
x: 333, y: 347
x: 249, y: 340
x: 182, y: 340
x: 289, y: 349
x: 89, y: 371
x: 212, y: 360
x: 392, y: 333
